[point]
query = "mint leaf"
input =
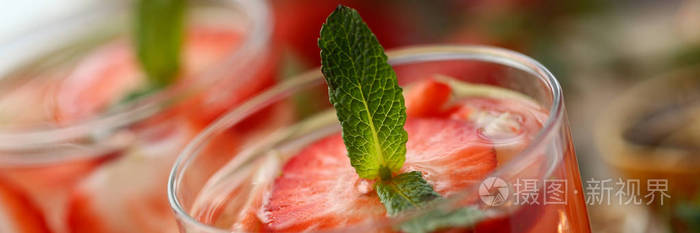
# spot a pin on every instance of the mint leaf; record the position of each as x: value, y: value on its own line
x: 440, y: 219
x: 365, y: 93
x: 158, y: 36
x: 405, y: 191
x: 363, y: 89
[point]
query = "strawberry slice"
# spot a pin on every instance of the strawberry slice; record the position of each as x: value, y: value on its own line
x: 426, y: 98
x: 319, y: 189
x: 17, y: 213
x: 450, y: 154
x: 101, y: 79
x: 112, y: 72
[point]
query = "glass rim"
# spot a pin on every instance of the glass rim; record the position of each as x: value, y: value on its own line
x: 412, y: 53
x: 16, y: 140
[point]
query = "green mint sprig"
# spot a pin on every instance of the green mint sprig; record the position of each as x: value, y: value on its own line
x: 159, y: 27
x: 364, y: 90
x: 369, y: 103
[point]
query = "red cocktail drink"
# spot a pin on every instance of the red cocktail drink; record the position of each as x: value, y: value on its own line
x: 85, y: 146
x: 486, y: 128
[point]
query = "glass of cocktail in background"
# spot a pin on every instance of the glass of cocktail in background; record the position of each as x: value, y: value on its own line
x: 210, y: 196
x: 651, y: 133
x: 83, y: 146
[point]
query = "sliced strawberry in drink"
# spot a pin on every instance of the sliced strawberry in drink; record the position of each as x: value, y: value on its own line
x: 101, y: 79
x: 112, y: 73
x: 449, y: 153
x: 319, y: 189
x: 17, y: 213
x: 426, y: 98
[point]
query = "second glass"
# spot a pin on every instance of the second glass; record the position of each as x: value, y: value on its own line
x: 81, y: 149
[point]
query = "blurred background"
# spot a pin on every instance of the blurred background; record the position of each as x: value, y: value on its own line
x: 608, y: 56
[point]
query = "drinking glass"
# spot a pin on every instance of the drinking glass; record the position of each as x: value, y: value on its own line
x: 649, y: 135
x: 66, y: 166
x: 206, y: 194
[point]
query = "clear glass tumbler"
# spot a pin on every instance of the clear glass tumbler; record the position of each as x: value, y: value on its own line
x: 78, y: 153
x: 209, y: 195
